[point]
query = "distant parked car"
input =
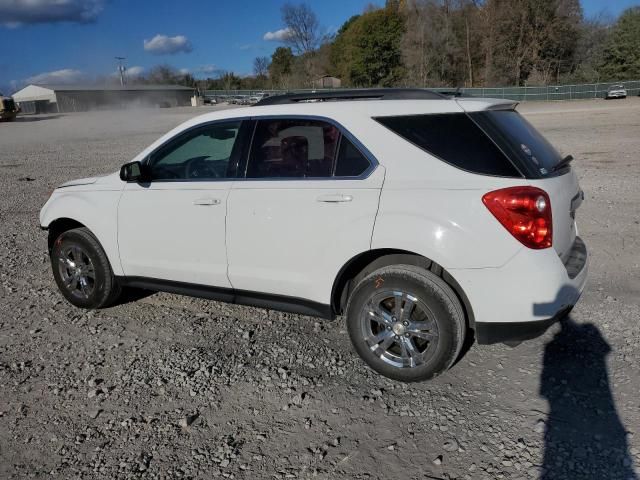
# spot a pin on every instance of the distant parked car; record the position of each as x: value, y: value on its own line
x: 254, y: 100
x: 238, y: 100
x: 210, y: 100
x: 616, y: 91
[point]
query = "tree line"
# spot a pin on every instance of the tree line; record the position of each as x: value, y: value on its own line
x: 448, y: 43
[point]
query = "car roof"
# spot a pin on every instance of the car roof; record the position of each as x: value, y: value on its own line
x: 363, y: 108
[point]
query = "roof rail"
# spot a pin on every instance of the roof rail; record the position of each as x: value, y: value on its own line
x: 353, y: 94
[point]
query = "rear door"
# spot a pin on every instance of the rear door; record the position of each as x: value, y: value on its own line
x: 306, y: 206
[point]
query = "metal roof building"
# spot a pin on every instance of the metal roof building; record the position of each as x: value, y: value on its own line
x: 78, y: 98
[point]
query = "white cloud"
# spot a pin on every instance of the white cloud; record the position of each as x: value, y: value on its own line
x: 135, y: 71
x: 164, y: 45
x: 14, y: 13
x: 278, y: 35
x: 66, y: 75
x: 184, y: 71
x: 207, y: 69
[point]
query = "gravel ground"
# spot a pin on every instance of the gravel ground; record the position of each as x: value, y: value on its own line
x: 172, y: 387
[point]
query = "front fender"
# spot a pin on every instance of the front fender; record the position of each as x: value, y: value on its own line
x: 97, y: 211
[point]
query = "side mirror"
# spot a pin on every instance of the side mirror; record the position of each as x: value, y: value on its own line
x: 132, y: 172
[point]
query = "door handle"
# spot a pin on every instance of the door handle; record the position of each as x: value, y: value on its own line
x: 335, y: 198
x: 206, y: 201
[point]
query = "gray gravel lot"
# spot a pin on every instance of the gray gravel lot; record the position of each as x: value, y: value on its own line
x: 173, y: 387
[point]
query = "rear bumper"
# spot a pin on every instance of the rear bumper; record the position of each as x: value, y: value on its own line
x: 520, y: 300
x: 488, y: 333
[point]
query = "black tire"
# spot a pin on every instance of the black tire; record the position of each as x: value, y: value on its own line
x: 100, y: 291
x: 435, y: 302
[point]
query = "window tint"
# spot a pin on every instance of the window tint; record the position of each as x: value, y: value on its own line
x: 293, y: 148
x: 454, y: 138
x: 522, y: 142
x: 201, y: 154
x: 351, y: 162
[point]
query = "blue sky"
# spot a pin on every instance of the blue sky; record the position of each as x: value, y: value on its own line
x: 80, y: 38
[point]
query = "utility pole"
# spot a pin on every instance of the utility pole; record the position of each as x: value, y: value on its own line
x: 121, y: 70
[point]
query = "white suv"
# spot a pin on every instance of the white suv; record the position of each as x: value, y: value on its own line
x: 424, y: 219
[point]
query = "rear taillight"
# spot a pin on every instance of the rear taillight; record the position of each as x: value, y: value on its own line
x: 525, y: 212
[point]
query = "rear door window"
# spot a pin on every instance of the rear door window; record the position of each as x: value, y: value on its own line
x: 531, y: 152
x: 301, y: 148
x: 351, y: 162
x: 285, y: 148
x: 455, y: 139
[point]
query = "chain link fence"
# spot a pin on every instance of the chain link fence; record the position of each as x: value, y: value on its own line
x: 551, y: 92
x: 521, y: 94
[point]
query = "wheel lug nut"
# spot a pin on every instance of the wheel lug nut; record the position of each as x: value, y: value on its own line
x: 397, y: 337
x: 406, y: 334
x: 394, y: 319
x: 388, y: 328
x: 405, y: 323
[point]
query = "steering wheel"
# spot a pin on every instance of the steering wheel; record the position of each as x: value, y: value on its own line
x: 200, y: 167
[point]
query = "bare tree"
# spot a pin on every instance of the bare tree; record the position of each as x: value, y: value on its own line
x: 303, y: 26
x: 227, y: 79
x: 261, y: 66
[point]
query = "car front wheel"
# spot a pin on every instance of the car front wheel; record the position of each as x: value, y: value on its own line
x: 406, y: 323
x: 82, y: 271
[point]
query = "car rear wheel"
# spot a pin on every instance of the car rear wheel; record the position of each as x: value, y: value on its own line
x: 82, y: 271
x: 406, y: 323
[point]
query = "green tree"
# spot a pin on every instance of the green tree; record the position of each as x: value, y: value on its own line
x: 621, y: 56
x: 366, y: 51
x: 281, y: 65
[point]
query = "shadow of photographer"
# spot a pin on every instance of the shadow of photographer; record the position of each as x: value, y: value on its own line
x: 584, y: 437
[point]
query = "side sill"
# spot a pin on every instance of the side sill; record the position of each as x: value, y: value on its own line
x: 229, y: 295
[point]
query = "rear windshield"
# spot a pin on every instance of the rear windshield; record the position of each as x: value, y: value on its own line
x: 520, y: 141
x: 454, y: 138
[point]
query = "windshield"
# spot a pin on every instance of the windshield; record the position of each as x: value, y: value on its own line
x: 520, y: 141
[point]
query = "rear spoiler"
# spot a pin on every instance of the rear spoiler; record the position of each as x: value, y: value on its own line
x: 471, y: 104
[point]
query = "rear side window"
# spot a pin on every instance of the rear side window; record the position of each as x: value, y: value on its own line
x: 455, y: 139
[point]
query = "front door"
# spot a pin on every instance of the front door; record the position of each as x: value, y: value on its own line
x: 306, y: 206
x: 173, y: 227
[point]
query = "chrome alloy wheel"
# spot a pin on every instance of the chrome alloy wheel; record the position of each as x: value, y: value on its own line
x: 399, y: 328
x: 77, y: 271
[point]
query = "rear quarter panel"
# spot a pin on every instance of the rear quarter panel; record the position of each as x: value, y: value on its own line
x: 433, y: 209
x: 450, y: 227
